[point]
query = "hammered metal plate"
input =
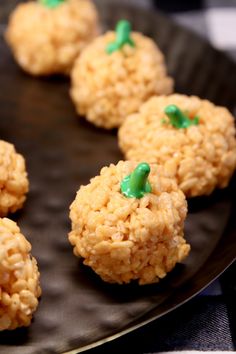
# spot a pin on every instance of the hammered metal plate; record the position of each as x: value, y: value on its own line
x: 77, y: 309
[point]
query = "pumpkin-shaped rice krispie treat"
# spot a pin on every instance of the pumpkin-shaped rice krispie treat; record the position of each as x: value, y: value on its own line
x: 115, y: 74
x: 47, y: 35
x: 19, y: 278
x: 13, y: 179
x: 193, y: 140
x: 127, y: 223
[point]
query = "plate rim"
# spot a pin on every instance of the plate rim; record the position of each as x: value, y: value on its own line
x: 133, y: 328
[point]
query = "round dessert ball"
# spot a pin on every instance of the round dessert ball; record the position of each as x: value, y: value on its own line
x: 47, y: 36
x: 19, y: 278
x: 124, y: 237
x: 196, y: 144
x: 109, y: 83
x: 13, y: 179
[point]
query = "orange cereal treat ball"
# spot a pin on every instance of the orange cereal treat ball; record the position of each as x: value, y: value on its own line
x: 115, y: 74
x: 193, y: 140
x: 127, y: 227
x: 13, y: 179
x: 46, y: 36
x: 19, y: 278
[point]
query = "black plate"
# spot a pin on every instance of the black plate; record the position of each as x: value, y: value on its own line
x: 77, y: 309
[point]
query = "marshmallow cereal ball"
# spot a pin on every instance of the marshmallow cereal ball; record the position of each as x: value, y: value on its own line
x: 19, y: 278
x: 192, y: 138
x: 13, y: 179
x: 127, y: 223
x: 46, y: 36
x: 115, y: 74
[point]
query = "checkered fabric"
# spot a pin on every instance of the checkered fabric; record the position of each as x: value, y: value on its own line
x: 213, y: 19
x: 205, y: 324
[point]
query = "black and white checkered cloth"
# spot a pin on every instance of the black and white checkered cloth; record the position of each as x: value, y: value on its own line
x: 208, y: 322
x: 213, y: 19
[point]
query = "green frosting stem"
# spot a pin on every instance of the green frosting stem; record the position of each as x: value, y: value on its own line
x: 123, y: 31
x: 136, y: 185
x: 178, y: 119
x: 51, y: 3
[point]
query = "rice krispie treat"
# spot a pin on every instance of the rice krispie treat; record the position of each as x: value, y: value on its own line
x: 19, y: 278
x: 47, y: 35
x: 128, y: 223
x: 115, y: 74
x: 13, y: 179
x: 192, y: 138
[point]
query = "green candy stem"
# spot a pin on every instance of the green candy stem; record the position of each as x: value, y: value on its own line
x: 51, y: 3
x: 123, y: 30
x: 136, y: 184
x: 178, y: 119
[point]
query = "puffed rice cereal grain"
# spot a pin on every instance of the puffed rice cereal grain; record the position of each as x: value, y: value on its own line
x: 47, y: 40
x: 13, y: 179
x: 108, y: 87
x: 201, y: 157
x: 122, y: 238
x: 19, y: 278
